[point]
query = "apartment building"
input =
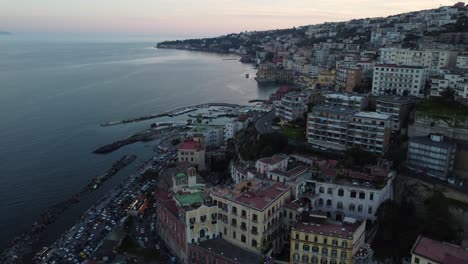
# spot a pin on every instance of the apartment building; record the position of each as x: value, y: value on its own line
x: 345, y: 100
x: 462, y: 61
x: 342, y: 128
x: 213, y: 135
x: 429, y: 251
x: 399, y: 107
x: 443, y: 82
x: 249, y: 214
x: 461, y: 89
x: 434, y: 60
x: 292, y: 106
x: 318, y: 240
x: 432, y: 155
x: 348, y: 78
x: 326, y: 78
x: 401, y: 80
x: 192, y: 151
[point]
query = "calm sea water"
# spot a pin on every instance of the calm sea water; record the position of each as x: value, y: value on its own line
x: 54, y: 95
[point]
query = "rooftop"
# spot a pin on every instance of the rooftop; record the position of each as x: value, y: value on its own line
x: 395, y: 99
x: 426, y: 140
x: 274, y: 159
x: 344, y: 96
x: 190, y: 144
x: 294, y: 172
x: 440, y: 252
x: 331, y: 109
x: 189, y: 199
x: 223, y: 248
x: 373, y: 115
x: 399, y: 66
x: 329, y: 228
x: 254, y: 193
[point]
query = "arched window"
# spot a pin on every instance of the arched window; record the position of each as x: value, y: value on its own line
x: 305, y: 259
x: 339, y: 206
x: 352, y: 207
x: 329, y: 191
x: 329, y: 202
x: 321, y: 190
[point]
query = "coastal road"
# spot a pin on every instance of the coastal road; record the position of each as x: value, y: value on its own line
x: 263, y: 124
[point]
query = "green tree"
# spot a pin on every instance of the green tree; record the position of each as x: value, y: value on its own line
x: 440, y: 224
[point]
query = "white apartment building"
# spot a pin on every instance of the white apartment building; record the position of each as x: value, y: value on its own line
x: 292, y: 106
x: 461, y: 90
x: 399, y: 107
x: 354, y: 194
x: 441, y: 83
x: 401, y: 80
x: 434, y: 60
x: 213, y: 135
x: 276, y: 162
x: 232, y: 128
x: 341, y: 128
x: 353, y: 101
x: 462, y: 61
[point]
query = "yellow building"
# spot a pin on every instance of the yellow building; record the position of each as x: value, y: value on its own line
x: 327, y: 78
x: 250, y: 214
x: 319, y: 240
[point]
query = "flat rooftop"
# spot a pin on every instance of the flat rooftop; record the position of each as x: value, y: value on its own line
x: 230, y: 251
x: 440, y: 252
x: 274, y: 159
x: 373, y: 115
x: 344, y: 96
x: 189, y: 199
x: 395, y: 99
x: 329, y: 228
x: 255, y: 194
x: 331, y: 109
x: 399, y: 66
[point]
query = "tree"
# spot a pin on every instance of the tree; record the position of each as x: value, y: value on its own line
x: 440, y: 224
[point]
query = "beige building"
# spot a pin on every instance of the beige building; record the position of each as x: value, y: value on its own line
x: 250, y: 214
x: 326, y: 78
x: 318, y: 240
x: 192, y: 151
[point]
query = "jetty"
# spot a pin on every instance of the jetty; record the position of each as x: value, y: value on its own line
x: 171, y: 113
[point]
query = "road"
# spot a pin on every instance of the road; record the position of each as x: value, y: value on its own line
x: 263, y: 124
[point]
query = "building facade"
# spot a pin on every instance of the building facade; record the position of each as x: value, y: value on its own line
x: 213, y: 135
x: 432, y: 155
x: 292, y: 106
x: 399, y: 108
x: 276, y: 162
x: 401, y: 80
x: 352, y: 101
x: 249, y: 214
x: 192, y: 151
x: 348, y: 78
x: 342, y: 128
x: 428, y: 251
x: 323, y: 241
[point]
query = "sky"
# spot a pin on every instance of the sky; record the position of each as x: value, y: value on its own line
x: 189, y: 18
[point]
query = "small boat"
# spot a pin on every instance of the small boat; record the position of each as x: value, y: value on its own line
x: 247, y: 75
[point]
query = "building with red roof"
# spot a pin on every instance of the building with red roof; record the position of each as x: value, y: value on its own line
x: 192, y: 151
x: 426, y: 250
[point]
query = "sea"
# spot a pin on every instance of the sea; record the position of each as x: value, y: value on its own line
x: 55, y: 93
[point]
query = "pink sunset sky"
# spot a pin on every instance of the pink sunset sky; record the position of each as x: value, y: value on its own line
x: 189, y: 18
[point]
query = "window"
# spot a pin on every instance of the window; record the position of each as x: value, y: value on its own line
x: 234, y: 222
x: 344, y: 254
x: 254, y: 218
x: 323, y: 261
x: 324, y: 251
x: 344, y: 244
x: 359, y: 208
x: 371, y: 196
x: 334, y: 253
x: 296, y: 246
x: 192, y: 220
x: 243, y: 239
x: 234, y: 210
x: 314, y: 260
x: 416, y: 260
x: 370, y: 210
x: 315, y: 249
x: 329, y: 202
x: 203, y: 218
x: 296, y: 257
x: 352, y: 207
x: 254, y: 243
x: 362, y: 195
x: 315, y: 239
x: 254, y: 230
x: 244, y: 213
x: 306, y: 247
x: 339, y: 205
x: 306, y: 238
x: 329, y: 191
x: 297, y: 236
x: 353, y: 194
x: 321, y: 190
x: 325, y: 241
x: 340, y: 192
x: 234, y: 234
x: 335, y: 243
x: 320, y: 202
